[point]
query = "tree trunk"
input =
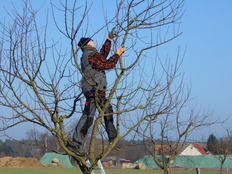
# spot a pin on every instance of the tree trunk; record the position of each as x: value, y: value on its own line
x: 221, y: 168
x: 198, y: 170
x: 84, y: 169
x: 166, y: 171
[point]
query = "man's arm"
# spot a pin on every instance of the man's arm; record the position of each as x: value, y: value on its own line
x: 106, y: 48
x: 99, y: 61
x: 107, y: 45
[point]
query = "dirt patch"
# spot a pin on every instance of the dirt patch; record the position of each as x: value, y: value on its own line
x: 24, y: 162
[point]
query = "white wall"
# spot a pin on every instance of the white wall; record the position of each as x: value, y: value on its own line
x: 190, y: 150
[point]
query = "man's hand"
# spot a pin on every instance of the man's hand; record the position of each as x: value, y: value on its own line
x: 112, y: 34
x: 120, y: 51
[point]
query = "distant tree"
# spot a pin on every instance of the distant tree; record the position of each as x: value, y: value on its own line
x: 127, y: 148
x: 33, y: 135
x: 41, y: 142
x: 174, y: 129
x: 6, y: 149
x: 211, y: 144
x: 222, y: 148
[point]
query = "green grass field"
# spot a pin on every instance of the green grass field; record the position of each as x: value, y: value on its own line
x: 108, y: 171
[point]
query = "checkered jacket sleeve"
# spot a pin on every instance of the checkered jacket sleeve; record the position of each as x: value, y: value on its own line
x: 99, y: 61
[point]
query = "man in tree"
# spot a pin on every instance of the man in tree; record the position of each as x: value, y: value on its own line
x: 93, y: 65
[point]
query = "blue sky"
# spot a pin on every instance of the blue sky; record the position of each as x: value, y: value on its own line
x: 207, y: 33
x: 207, y: 27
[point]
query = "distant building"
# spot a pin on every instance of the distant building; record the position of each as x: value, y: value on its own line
x: 193, y: 149
x: 114, y: 161
x: 184, y: 149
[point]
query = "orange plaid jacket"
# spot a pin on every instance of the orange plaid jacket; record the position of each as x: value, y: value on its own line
x: 98, y: 59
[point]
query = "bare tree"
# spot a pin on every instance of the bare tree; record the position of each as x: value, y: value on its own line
x: 171, y: 122
x: 222, y: 148
x: 40, y: 79
x: 173, y: 130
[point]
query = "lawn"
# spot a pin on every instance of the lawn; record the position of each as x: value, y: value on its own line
x: 108, y: 171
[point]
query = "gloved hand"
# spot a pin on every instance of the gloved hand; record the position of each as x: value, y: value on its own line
x: 112, y: 34
x: 120, y: 51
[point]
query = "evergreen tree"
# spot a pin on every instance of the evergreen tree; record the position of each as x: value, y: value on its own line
x: 8, y: 151
x: 211, y: 143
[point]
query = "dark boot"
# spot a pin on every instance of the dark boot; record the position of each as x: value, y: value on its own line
x: 75, y: 148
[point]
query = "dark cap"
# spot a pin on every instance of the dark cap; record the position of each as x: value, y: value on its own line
x: 83, y: 41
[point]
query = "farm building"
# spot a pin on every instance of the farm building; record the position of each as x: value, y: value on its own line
x: 193, y: 149
x: 114, y: 161
x: 185, y: 149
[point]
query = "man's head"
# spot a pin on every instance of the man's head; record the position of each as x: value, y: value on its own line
x: 86, y: 41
